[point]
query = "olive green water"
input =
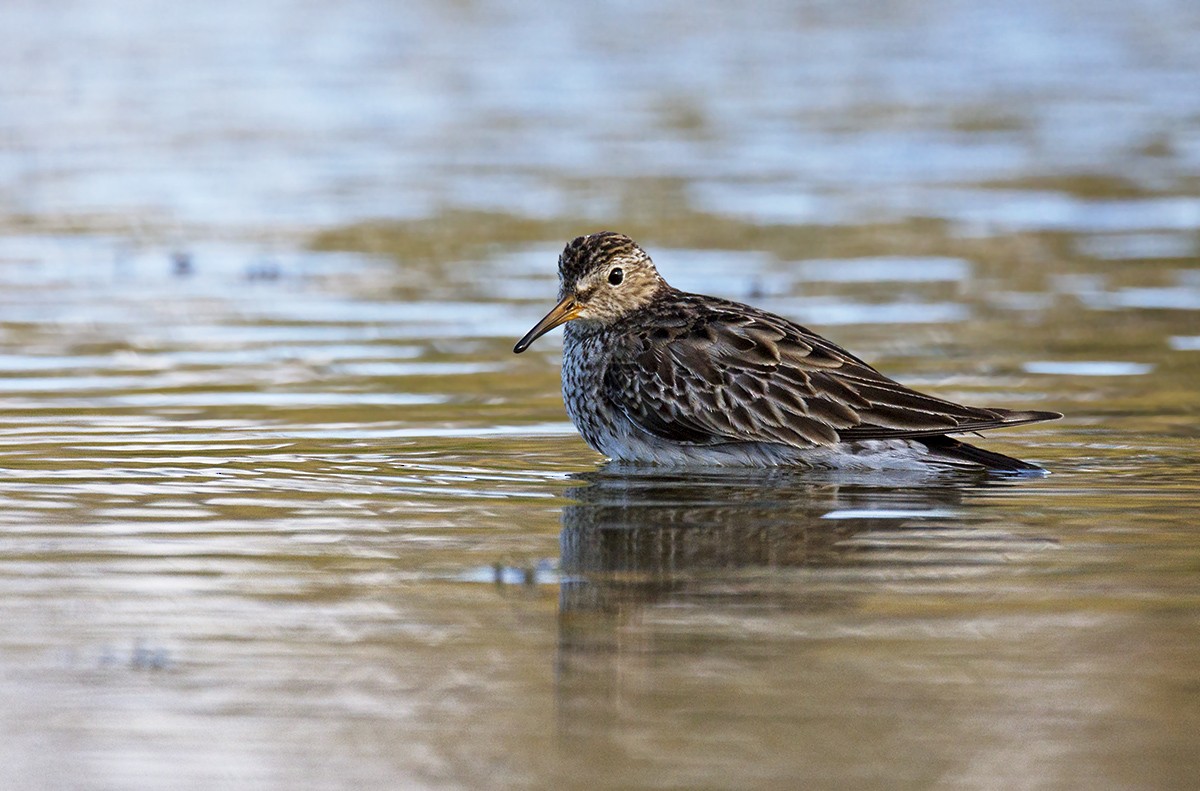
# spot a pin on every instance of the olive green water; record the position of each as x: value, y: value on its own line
x: 279, y: 508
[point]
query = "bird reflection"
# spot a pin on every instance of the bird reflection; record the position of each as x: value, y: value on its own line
x: 637, y: 538
x: 634, y: 535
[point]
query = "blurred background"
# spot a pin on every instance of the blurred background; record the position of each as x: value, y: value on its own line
x: 281, y: 510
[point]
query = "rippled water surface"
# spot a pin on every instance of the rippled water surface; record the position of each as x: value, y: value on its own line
x: 280, y: 509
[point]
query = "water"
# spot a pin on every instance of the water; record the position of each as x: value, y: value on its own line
x: 280, y: 509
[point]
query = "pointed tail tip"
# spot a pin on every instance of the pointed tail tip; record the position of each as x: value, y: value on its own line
x: 1018, y: 417
x: 955, y: 452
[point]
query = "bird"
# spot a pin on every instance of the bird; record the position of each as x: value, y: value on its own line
x: 655, y: 375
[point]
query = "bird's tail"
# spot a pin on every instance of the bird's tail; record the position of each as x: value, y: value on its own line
x: 958, y: 453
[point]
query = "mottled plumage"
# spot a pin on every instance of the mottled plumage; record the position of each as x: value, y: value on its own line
x: 653, y: 374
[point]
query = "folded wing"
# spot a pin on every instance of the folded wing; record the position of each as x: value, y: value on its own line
x: 718, y: 373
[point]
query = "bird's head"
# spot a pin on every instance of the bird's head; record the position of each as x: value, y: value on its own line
x: 602, y: 277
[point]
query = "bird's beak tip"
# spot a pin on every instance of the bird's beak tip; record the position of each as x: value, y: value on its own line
x: 563, y: 312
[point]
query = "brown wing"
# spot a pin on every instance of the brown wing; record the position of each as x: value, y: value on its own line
x: 706, y: 371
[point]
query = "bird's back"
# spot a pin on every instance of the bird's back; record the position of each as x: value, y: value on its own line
x: 696, y: 378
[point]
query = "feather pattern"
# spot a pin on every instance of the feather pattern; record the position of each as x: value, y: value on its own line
x: 701, y: 370
x: 651, y: 373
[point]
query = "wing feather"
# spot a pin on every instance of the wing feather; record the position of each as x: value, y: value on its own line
x: 715, y: 372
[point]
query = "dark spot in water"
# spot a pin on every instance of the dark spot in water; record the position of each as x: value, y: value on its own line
x: 264, y: 270
x: 182, y: 264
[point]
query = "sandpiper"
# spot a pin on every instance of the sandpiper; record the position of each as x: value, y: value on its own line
x: 656, y: 375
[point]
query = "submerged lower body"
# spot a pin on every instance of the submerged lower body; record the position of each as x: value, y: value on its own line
x: 889, y: 454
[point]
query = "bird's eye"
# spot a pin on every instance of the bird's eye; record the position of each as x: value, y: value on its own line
x: 616, y: 276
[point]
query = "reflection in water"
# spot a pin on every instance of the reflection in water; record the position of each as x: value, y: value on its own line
x: 760, y: 542
x: 637, y: 535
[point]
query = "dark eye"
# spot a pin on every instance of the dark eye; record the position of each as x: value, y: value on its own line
x: 616, y: 276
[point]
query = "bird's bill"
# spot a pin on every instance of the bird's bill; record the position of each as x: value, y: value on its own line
x: 563, y: 312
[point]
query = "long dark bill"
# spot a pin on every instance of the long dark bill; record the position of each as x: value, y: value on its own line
x: 562, y: 313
